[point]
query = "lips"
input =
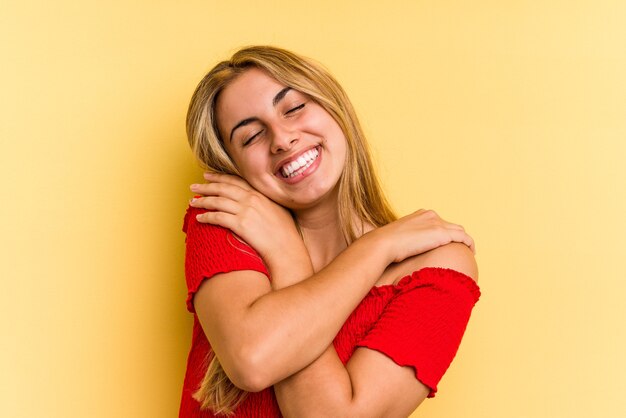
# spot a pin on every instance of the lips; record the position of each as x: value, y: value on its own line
x: 298, y: 165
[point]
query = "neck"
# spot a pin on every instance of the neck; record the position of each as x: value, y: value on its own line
x: 322, y: 233
x: 321, y: 230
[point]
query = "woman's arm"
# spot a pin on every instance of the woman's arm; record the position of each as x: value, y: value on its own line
x: 262, y: 336
x: 372, y: 384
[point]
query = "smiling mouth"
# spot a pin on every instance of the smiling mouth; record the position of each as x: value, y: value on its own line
x: 300, y: 164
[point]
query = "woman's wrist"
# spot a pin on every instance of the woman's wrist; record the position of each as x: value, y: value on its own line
x: 379, y: 245
x: 289, y: 265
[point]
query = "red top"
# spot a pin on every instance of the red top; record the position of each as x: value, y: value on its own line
x: 418, y: 323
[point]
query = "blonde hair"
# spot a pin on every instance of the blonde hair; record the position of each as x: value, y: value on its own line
x: 361, y: 200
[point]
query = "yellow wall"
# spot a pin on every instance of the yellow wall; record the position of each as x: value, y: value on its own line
x: 506, y: 116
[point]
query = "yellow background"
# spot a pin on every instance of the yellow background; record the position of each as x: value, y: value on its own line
x: 506, y: 116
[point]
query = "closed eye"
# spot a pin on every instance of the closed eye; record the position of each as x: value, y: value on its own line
x: 249, y: 140
x: 295, y: 109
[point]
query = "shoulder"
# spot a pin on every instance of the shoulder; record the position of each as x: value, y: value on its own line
x: 454, y: 256
x: 190, y: 220
x: 199, y: 231
x: 202, y: 238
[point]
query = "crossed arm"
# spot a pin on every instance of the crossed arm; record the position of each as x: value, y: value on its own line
x: 262, y: 335
x: 371, y: 384
x: 266, y: 333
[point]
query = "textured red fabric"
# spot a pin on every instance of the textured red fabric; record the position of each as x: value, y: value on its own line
x: 211, y: 250
x: 423, y: 324
x: 418, y: 323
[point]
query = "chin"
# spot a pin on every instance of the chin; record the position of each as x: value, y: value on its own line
x: 314, y: 198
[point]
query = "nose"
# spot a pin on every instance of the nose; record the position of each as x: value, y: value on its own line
x: 283, y: 139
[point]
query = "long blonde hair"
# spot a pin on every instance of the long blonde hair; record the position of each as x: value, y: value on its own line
x: 361, y: 200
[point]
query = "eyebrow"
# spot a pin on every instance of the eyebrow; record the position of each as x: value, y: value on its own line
x: 279, y: 96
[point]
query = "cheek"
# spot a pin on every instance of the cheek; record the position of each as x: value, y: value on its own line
x: 254, y: 171
x: 338, y: 140
x: 249, y: 170
x: 327, y: 127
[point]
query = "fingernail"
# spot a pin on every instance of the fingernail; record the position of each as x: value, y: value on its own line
x: 194, y: 187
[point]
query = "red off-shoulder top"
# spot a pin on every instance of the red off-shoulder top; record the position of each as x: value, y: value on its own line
x: 418, y: 323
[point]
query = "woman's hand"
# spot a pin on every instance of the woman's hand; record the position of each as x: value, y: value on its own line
x: 266, y: 226
x: 420, y: 232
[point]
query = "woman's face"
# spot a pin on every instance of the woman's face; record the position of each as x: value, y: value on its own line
x: 283, y: 142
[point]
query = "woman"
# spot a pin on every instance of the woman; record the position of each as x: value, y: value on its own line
x: 298, y: 272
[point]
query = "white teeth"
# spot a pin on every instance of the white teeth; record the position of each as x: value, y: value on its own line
x: 300, y: 164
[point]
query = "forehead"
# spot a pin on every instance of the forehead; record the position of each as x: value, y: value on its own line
x: 246, y: 96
